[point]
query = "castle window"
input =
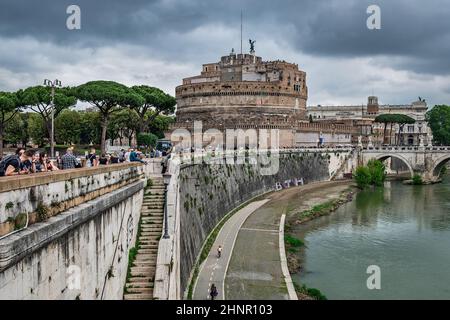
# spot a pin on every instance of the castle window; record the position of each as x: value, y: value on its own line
x: 206, y: 69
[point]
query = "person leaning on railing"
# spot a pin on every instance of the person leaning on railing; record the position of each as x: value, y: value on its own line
x: 16, y: 163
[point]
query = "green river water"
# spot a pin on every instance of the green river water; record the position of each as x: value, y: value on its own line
x: 405, y: 230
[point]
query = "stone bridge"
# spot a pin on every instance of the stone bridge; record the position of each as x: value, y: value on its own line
x: 424, y: 161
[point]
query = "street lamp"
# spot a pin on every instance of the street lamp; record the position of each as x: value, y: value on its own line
x: 166, y: 177
x: 53, y: 85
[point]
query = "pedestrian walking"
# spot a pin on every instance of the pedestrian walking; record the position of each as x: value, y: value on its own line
x: 213, y: 292
x: 219, y: 251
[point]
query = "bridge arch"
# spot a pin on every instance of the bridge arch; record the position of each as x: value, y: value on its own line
x: 386, y: 156
x: 439, y: 164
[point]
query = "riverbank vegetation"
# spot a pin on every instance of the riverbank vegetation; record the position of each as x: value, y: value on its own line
x: 305, y: 293
x: 373, y: 174
x: 293, y: 245
x: 417, y: 180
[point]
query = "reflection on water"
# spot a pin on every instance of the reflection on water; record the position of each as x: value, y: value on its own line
x: 405, y: 230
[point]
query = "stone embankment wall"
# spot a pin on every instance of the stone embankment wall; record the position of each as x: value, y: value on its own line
x: 207, y: 192
x: 75, y: 243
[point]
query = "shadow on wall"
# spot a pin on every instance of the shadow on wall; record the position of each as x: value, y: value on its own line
x: 209, y: 192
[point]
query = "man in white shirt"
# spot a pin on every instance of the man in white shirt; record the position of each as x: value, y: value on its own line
x: 127, y: 155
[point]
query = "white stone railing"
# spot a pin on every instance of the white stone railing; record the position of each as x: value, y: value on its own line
x: 407, y: 148
x: 167, y: 277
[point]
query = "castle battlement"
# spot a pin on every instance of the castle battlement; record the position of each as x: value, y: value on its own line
x: 243, y: 85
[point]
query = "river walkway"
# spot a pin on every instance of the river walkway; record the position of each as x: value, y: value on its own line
x: 255, y: 269
x: 213, y: 269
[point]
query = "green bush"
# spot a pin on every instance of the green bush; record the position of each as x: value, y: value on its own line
x: 310, y: 292
x: 294, y: 242
x: 315, y: 294
x: 372, y: 174
x: 377, y: 172
x: 417, y: 180
x: 362, y: 177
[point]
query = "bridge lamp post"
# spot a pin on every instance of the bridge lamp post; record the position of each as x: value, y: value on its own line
x: 166, y: 177
x: 53, y: 85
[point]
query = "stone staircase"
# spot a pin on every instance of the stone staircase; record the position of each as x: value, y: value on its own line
x: 141, y: 273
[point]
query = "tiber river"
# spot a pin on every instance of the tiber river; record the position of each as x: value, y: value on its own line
x: 405, y: 230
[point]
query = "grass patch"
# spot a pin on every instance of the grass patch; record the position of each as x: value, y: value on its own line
x: 319, y: 209
x: 292, y: 241
x: 309, y: 293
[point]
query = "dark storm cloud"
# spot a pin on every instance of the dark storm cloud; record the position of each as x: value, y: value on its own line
x: 118, y: 37
x: 411, y: 28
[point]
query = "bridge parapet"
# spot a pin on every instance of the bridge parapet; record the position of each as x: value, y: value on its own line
x: 426, y: 161
x: 407, y: 148
x: 27, y: 199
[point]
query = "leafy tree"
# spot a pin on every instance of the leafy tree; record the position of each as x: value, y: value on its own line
x: 67, y: 127
x: 393, y: 118
x: 16, y: 131
x: 155, y: 100
x: 377, y: 171
x: 146, y: 140
x: 89, y: 127
x: 385, y: 119
x: 108, y: 97
x: 9, y: 106
x: 159, y: 125
x: 123, y: 123
x: 402, y: 120
x: 362, y: 177
x: 439, y: 121
x: 36, y: 129
x: 38, y: 99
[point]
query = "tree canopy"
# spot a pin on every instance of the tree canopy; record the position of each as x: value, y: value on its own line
x: 156, y: 101
x: 9, y: 106
x: 439, y: 122
x: 38, y: 99
x: 394, y: 118
x: 108, y: 97
x: 123, y: 124
x: 123, y: 112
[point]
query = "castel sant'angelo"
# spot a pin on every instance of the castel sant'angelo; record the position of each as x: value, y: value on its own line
x: 242, y: 91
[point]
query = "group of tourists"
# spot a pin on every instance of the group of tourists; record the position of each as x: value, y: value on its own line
x: 25, y: 162
x: 30, y: 161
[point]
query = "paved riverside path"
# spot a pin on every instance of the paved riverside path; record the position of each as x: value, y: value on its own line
x: 255, y: 272
x: 213, y: 269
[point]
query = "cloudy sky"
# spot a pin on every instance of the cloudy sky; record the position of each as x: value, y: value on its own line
x: 158, y: 42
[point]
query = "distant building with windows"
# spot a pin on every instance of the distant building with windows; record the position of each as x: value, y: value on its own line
x: 363, y: 116
x: 242, y: 91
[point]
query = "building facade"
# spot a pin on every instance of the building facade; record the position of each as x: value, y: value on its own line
x: 243, y: 92
x: 363, y: 117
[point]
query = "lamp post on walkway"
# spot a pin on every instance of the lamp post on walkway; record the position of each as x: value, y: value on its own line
x: 166, y: 177
x: 53, y: 85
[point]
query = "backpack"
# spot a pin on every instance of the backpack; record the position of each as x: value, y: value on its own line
x: 4, y: 161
